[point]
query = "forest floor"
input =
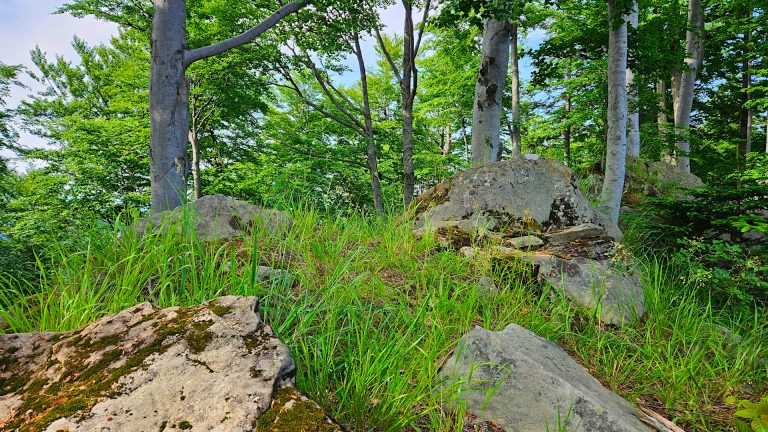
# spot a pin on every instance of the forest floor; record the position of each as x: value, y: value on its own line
x: 372, y: 312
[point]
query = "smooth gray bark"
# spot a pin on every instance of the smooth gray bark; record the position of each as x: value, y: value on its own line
x: 407, y: 75
x: 169, y: 94
x: 633, y: 118
x: 567, y: 132
x: 514, y: 64
x: 447, y: 141
x: 168, y: 105
x: 616, y: 137
x: 196, y: 180
x: 373, y: 164
x: 694, y: 48
x: 489, y: 91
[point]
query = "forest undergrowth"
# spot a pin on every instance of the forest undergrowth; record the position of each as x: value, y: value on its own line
x: 372, y: 312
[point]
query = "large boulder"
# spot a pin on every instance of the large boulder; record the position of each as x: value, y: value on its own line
x: 514, y: 197
x: 525, y: 383
x: 211, y: 367
x: 216, y: 217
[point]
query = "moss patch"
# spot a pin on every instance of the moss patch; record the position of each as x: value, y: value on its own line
x: 218, y: 308
x: 291, y: 413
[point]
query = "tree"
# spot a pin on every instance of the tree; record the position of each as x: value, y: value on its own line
x: 616, y: 152
x: 694, y: 55
x: 168, y: 93
x: 489, y: 88
x: 330, y: 43
x: 407, y: 75
x: 633, y: 118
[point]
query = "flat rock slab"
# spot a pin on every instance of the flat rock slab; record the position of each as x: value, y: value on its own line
x: 608, y: 288
x: 524, y: 383
x: 577, y: 232
x: 517, y: 196
x: 525, y: 242
x: 211, y: 367
x: 216, y: 217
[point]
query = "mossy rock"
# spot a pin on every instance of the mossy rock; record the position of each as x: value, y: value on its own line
x: 145, y: 369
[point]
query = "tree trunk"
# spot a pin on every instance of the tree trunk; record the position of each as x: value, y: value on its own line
x: 373, y: 164
x: 407, y: 104
x: 517, y: 146
x: 466, y: 141
x: 168, y: 94
x: 567, y: 133
x: 662, y: 122
x: 746, y: 110
x: 616, y: 141
x: 694, y: 47
x: 447, y: 141
x: 196, y: 180
x: 633, y: 118
x: 169, y: 115
x: 489, y: 91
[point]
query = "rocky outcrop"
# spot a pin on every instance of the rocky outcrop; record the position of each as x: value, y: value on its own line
x: 531, y: 209
x: 525, y: 383
x: 512, y: 197
x: 211, y: 367
x: 216, y: 217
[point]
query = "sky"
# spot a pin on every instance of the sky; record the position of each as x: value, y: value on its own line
x: 25, y: 24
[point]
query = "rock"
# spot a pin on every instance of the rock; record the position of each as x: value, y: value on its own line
x: 467, y: 251
x: 270, y: 276
x: 657, y: 179
x: 486, y: 286
x: 522, y: 382
x: 517, y: 196
x: 525, y: 242
x: 210, y: 367
x: 217, y: 217
x: 610, y: 288
x: 577, y: 232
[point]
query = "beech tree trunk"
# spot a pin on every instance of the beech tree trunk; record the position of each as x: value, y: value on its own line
x: 567, y: 133
x: 373, y: 164
x: 633, y: 118
x: 694, y: 47
x: 746, y: 111
x: 662, y: 121
x: 517, y: 145
x: 196, y: 180
x: 447, y: 141
x: 409, y: 177
x: 616, y: 139
x: 169, y: 113
x: 489, y: 91
x: 168, y: 94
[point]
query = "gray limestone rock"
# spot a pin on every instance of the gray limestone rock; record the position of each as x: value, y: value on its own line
x: 522, y: 382
x: 577, y: 232
x: 606, y: 287
x: 211, y: 367
x: 216, y: 217
x: 528, y: 242
x: 520, y: 193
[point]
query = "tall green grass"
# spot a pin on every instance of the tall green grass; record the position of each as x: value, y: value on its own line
x: 373, y: 312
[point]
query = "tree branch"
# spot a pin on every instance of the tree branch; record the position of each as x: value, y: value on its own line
x: 388, y: 56
x: 191, y: 56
